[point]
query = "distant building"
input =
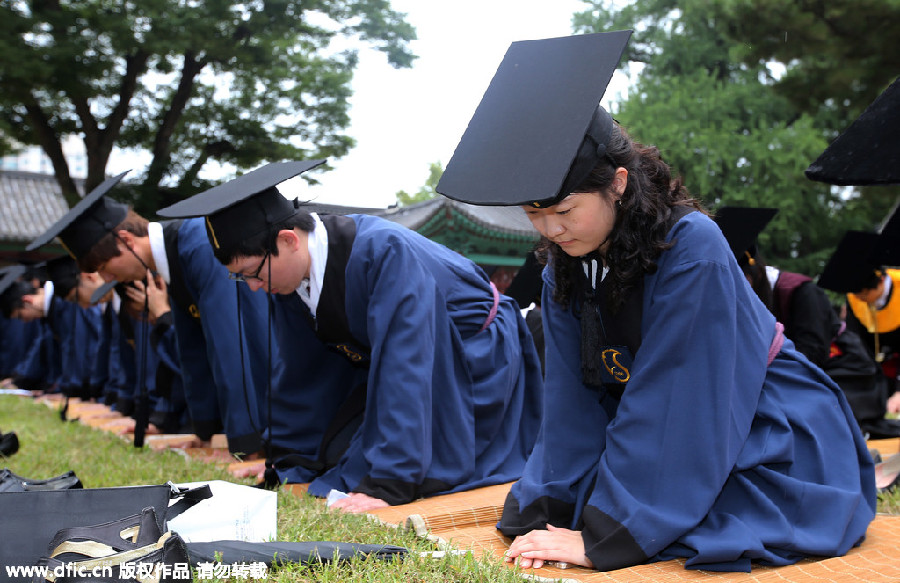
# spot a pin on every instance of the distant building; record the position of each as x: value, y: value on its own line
x: 496, y: 238
x: 33, y: 159
x: 29, y: 204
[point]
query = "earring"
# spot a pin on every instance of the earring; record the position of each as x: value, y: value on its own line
x: 619, y: 202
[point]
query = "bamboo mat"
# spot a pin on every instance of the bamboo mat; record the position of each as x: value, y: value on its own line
x: 466, y: 520
x: 100, y: 416
x: 886, y: 447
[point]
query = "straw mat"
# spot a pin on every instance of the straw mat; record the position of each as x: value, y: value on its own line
x: 466, y: 520
x: 885, y: 447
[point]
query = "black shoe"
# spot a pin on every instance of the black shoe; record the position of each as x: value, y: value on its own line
x: 888, y: 473
x: 9, y: 444
x: 10, y: 482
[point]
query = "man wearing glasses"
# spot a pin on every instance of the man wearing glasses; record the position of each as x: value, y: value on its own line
x: 451, y: 388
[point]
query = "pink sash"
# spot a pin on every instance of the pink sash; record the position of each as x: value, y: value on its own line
x: 777, y: 342
x: 493, y: 312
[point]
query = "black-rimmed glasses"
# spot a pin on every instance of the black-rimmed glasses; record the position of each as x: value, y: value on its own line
x: 246, y: 278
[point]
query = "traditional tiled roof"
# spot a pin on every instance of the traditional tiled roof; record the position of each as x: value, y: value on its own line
x: 486, y: 235
x: 29, y: 204
x: 336, y: 209
x: 507, y: 220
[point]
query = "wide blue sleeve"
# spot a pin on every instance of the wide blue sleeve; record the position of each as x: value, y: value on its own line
x: 309, y: 384
x: 562, y: 468
x: 164, y: 341
x: 200, y: 389
x: 110, y: 353
x: 64, y: 323
x: 25, y: 366
x: 91, y: 324
x: 100, y: 366
x: 145, y: 366
x: 219, y: 354
x: 14, y: 343
x: 127, y: 379
x: 398, y: 301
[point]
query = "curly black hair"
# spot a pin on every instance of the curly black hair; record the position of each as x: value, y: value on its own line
x: 642, y: 219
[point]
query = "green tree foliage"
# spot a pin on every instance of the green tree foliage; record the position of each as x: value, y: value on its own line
x: 187, y: 81
x: 719, y: 120
x: 427, y: 192
x: 839, y: 54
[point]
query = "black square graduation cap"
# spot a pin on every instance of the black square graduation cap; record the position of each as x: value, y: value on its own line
x: 539, y: 129
x: 868, y: 152
x: 64, y: 273
x: 888, y: 252
x: 742, y: 225
x: 87, y: 222
x: 244, y: 207
x: 852, y: 265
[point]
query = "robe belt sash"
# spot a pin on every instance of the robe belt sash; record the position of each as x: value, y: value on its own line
x: 777, y: 343
x: 493, y: 312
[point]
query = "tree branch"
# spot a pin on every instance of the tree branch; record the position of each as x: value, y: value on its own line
x: 162, y: 143
x: 50, y: 143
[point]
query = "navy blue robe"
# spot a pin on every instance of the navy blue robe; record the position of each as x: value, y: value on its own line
x: 13, y: 344
x: 710, y: 455
x: 222, y: 390
x: 18, y: 338
x: 127, y: 372
x: 76, y: 334
x: 449, y: 406
x: 40, y: 367
x: 146, y: 363
x: 105, y: 374
x: 309, y: 384
x: 171, y: 412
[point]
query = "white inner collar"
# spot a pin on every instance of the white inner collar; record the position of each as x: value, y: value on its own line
x: 158, y: 250
x: 310, y: 289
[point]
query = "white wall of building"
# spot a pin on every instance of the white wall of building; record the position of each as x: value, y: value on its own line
x: 33, y: 159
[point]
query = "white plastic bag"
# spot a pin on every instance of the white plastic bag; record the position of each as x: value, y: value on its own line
x: 234, y: 512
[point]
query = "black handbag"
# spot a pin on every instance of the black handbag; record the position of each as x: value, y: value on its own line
x: 11, y: 482
x: 129, y: 550
x: 30, y: 520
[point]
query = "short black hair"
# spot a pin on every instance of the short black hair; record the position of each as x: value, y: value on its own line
x: 264, y: 242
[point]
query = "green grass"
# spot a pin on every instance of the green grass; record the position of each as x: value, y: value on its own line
x: 49, y: 447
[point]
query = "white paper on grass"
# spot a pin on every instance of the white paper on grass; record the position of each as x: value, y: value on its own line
x: 234, y: 512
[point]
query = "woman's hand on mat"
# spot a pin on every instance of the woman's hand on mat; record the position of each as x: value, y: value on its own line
x: 359, y: 502
x: 256, y: 470
x: 893, y: 403
x: 532, y: 550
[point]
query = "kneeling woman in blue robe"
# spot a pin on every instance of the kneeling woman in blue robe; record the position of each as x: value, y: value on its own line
x: 678, y: 421
x: 453, y: 386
